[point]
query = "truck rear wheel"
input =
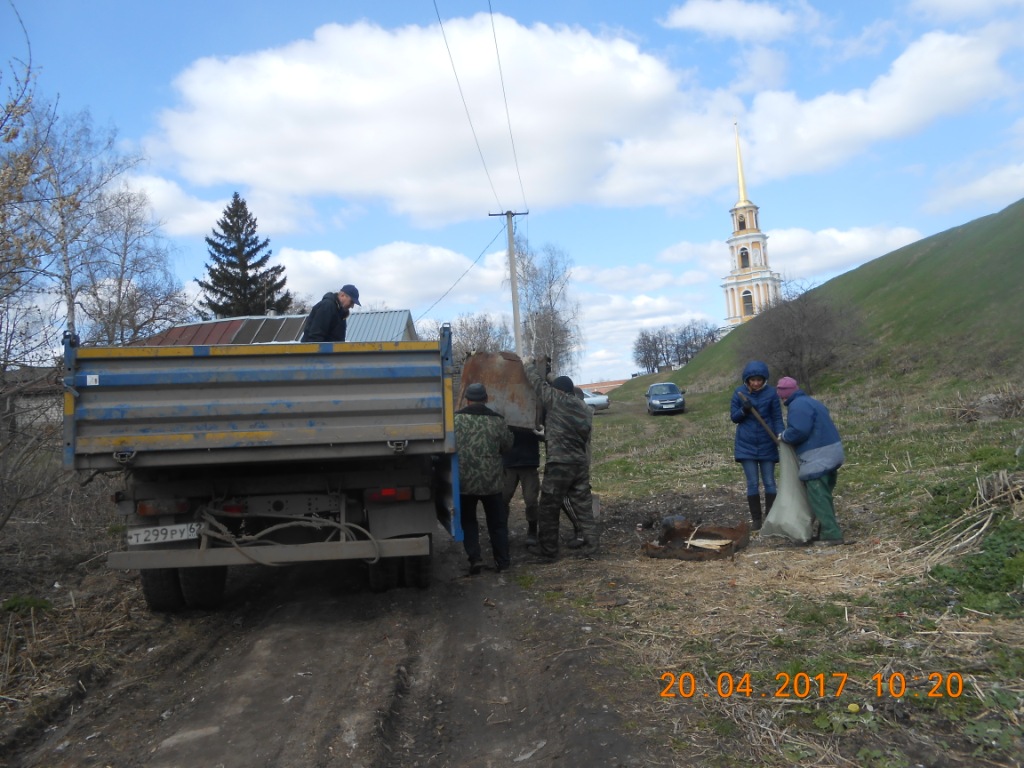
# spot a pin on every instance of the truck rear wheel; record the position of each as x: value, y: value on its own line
x: 203, y: 588
x: 418, y: 571
x: 383, y: 574
x: 162, y: 589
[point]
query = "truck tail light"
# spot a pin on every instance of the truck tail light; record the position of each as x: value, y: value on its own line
x: 389, y: 495
x: 157, y: 507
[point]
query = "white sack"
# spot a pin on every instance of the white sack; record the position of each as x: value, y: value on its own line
x: 791, y: 514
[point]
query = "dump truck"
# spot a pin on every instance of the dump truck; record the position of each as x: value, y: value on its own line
x: 267, y: 454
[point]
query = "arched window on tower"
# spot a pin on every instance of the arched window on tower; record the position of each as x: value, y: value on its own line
x: 742, y: 221
x: 748, y: 304
x: 744, y: 258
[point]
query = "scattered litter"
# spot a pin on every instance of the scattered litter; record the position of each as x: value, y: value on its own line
x: 681, y: 539
x: 527, y: 755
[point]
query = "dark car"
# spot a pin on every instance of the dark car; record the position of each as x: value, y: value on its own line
x: 665, y: 398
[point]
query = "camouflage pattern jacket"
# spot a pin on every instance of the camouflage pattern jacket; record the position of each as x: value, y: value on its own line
x: 567, y: 422
x: 481, y: 436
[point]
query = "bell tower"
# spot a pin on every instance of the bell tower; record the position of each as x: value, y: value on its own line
x: 750, y: 286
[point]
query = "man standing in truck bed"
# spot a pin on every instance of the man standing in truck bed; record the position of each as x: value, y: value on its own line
x: 567, y: 426
x: 328, y: 320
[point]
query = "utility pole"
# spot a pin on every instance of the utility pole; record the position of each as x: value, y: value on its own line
x: 514, y: 280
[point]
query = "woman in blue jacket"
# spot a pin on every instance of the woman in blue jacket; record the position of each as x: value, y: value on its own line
x: 755, y: 448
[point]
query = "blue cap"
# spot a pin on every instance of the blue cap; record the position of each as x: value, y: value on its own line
x: 352, y: 292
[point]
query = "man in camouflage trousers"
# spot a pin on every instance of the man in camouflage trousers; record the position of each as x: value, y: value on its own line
x: 481, y: 436
x: 567, y: 426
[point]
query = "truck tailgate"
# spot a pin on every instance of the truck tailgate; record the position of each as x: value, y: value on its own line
x: 165, y: 406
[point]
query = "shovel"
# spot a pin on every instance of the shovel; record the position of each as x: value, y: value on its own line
x: 791, y: 515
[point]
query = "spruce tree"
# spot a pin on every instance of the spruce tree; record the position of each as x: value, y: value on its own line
x: 239, y: 281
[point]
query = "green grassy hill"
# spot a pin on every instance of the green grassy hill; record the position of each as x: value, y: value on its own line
x: 948, y: 307
x: 951, y: 303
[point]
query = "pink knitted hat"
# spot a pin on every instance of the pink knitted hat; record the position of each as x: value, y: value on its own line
x: 786, y: 387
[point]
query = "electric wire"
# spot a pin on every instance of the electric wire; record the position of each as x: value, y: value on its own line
x: 498, y: 234
x: 465, y: 106
x: 508, y: 117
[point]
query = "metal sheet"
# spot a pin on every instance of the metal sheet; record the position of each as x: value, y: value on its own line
x: 508, y: 390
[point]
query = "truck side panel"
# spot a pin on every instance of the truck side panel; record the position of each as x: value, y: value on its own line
x: 175, y: 406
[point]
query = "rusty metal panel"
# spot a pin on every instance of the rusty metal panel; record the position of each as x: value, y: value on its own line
x: 508, y: 390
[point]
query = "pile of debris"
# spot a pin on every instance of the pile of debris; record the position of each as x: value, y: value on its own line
x: 681, y: 539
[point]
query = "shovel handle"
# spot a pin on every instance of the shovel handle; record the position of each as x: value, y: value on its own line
x: 758, y: 416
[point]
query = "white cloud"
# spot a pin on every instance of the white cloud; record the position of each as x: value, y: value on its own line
x: 804, y: 255
x: 365, y: 113
x: 999, y: 187
x: 734, y: 19
x: 938, y: 75
x: 397, y: 276
x: 712, y: 254
x: 360, y: 116
x: 182, y: 213
x: 760, y: 68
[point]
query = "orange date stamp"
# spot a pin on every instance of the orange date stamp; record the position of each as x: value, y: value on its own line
x: 803, y: 685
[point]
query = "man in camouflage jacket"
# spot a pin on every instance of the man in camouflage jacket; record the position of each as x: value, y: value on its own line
x: 481, y: 436
x: 567, y: 426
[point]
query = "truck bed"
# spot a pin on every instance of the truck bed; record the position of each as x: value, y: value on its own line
x: 232, y: 404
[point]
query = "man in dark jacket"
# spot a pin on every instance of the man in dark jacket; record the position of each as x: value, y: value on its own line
x: 481, y: 436
x: 819, y: 450
x: 328, y: 319
x: 567, y: 425
x: 521, y: 470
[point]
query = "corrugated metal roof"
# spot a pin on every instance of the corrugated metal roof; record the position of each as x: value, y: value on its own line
x: 373, y: 325
x: 387, y: 325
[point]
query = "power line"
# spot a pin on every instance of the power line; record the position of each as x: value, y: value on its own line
x: 504, y: 96
x: 466, y: 106
x: 468, y: 269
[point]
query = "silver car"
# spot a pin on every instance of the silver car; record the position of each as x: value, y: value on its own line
x: 595, y: 400
x: 665, y: 398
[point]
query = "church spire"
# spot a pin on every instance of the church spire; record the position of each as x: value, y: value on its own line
x: 750, y: 286
x: 739, y: 170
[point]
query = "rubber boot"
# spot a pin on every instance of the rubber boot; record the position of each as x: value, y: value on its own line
x: 755, y: 511
x: 531, y: 531
x: 769, y: 500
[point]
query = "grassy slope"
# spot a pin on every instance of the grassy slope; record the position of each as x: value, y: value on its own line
x: 947, y: 318
x: 950, y: 303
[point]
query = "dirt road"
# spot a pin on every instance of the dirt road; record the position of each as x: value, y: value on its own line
x: 305, y: 667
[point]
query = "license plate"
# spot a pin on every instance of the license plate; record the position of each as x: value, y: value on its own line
x: 161, y: 534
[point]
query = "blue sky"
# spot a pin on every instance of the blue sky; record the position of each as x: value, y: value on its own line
x: 864, y: 126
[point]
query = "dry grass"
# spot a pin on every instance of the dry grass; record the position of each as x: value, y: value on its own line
x: 775, y: 611
x: 962, y: 535
x: 64, y: 619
